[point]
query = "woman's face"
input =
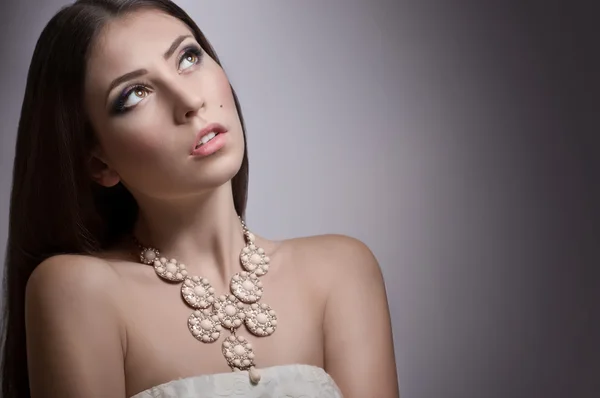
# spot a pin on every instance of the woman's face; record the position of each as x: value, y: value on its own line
x: 150, y: 89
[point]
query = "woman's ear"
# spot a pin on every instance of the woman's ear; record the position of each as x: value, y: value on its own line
x: 101, y: 172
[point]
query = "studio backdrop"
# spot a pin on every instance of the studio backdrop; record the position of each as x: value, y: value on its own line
x: 438, y: 134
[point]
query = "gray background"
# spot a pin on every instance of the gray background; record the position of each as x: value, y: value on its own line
x: 454, y: 138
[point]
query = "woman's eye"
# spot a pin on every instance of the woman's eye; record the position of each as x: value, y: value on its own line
x: 190, y: 58
x: 135, y: 96
x: 131, y: 98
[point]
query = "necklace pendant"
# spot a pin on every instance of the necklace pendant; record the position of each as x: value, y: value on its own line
x: 238, y: 352
x: 229, y: 311
x: 149, y: 255
x: 170, y: 269
x: 198, y: 292
x: 261, y: 320
x: 254, y: 375
x: 246, y: 287
x: 254, y: 260
x: 205, y: 326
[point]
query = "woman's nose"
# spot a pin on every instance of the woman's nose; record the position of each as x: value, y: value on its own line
x: 189, y: 102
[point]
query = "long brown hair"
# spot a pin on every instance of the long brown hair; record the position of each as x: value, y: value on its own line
x: 55, y: 207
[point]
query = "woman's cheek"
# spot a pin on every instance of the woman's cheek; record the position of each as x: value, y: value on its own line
x: 222, y: 89
x: 137, y: 148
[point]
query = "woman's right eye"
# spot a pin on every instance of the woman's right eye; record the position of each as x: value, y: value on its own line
x: 130, y: 98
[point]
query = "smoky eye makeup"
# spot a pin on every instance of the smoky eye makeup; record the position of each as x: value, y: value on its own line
x: 191, y: 54
x: 120, y: 105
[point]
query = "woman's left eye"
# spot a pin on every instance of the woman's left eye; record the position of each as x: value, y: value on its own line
x: 190, y: 57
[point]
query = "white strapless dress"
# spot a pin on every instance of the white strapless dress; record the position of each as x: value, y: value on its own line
x: 286, y: 381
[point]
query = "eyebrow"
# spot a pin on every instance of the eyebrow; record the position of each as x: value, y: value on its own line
x: 136, y: 73
x: 174, y: 46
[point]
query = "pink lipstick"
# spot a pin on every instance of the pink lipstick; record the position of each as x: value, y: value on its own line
x: 209, y: 140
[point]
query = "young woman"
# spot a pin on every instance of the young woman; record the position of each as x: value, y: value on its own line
x: 130, y: 271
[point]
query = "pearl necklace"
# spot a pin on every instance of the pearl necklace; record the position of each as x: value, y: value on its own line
x: 214, y: 314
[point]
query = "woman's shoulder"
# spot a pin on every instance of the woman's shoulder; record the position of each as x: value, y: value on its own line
x: 338, y: 241
x: 333, y: 253
x: 72, y: 270
x: 76, y: 337
x: 62, y: 279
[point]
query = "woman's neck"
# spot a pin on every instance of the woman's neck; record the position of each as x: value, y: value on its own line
x: 205, y: 232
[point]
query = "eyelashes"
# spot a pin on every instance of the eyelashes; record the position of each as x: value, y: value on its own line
x: 121, y: 104
x: 138, y: 91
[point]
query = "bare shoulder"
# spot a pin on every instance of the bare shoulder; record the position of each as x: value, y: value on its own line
x: 329, y: 242
x: 66, y: 287
x: 68, y: 300
x: 333, y: 253
x: 69, y: 276
x: 356, y: 315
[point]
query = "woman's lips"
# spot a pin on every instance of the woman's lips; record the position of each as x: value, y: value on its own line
x: 214, y: 144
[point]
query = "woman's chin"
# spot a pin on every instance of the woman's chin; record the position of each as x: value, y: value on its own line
x: 218, y: 171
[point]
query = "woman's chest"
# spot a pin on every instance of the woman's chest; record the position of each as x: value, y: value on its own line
x: 166, y: 336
